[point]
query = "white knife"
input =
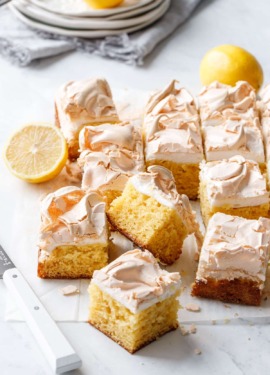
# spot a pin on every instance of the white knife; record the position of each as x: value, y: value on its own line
x: 59, y: 353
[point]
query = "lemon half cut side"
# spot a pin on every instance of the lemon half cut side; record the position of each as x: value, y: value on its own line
x: 36, y: 153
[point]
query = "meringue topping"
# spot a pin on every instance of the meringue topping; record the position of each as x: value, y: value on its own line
x: 236, y: 182
x: 103, y: 172
x: 136, y: 281
x: 233, y: 137
x: 69, y: 215
x: 218, y: 100
x: 171, y: 126
x: 173, y: 100
x: 112, y: 153
x: 264, y: 105
x: 159, y: 184
x: 235, y: 247
x: 84, y: 102
x: 112, y: 140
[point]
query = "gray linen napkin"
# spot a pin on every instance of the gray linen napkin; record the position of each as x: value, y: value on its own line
x: 21, y: 44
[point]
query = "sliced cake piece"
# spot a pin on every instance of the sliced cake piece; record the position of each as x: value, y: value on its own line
x: 74, y: 236
x: 172, y: 137
x: 133, y: 301
x: 153, y: 215
x: 233, y: 261
x: 234, y: 186
x: 80, y: 103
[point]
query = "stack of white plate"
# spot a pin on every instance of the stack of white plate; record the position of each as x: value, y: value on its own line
x: 77, y: 19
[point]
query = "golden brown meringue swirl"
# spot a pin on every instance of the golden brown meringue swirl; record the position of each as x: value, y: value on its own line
x: 136, y: 280
x: 69, y: 215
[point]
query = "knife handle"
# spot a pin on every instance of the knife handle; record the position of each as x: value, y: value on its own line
x: 54, y: 345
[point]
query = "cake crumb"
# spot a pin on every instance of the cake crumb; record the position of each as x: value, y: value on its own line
x: 193, y: 328
x: 227, y: 306
x: 197, y: 351
x: 192, y: 307
x: 184, y: 331
x: 214, y: 322
x: 236, y: 315
x: 69, y: 290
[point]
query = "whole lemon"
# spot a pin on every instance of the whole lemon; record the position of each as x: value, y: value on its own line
x: 103, y: 4
x: 229, y: 64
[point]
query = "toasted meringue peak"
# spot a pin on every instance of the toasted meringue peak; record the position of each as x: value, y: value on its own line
x: 235, y: 247
x: 236, y: 182
x: 232, y: 137
x: 84, y: 102
x: 171, y: 126
x: 123, y: 137
x: 172, y: 99
x: 69, y: 215
x: 264, y: 106
x: 264, y: 103
x: 136, y: 281
x: 218, y: 100
x: 103, y: 172
x: 111, y: 154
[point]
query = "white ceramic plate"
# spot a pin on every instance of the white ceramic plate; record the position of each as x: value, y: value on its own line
x: 53, y: 19
x: 86, y: 33
x: 118, y: 16
x: 80, y: 8
x: 136, y: 11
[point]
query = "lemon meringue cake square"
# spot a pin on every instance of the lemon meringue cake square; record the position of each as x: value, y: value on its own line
x: 233, y: 186
x: 80, y: 103
x: 172, y: 136
x: 110, y: 154
x: 74, y: 238
x: 133, y: 301
x: 152, y: 214
x: 233, y: 261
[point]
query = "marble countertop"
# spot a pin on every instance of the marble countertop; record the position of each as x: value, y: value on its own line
x: 27, y: 95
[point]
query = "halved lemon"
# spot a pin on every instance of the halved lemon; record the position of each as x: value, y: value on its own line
x: 36, y: 152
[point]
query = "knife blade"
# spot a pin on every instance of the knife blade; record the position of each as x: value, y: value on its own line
x: 3, y: 2
x: 5, y: 262
x: 59, y: 353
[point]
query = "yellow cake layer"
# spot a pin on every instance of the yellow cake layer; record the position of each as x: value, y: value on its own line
x: 73, y: 262
x: 110, y: 195
x: 149, y: 224
x: 131, y: 331
x: 186, y: 176
x: 250, y: 212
